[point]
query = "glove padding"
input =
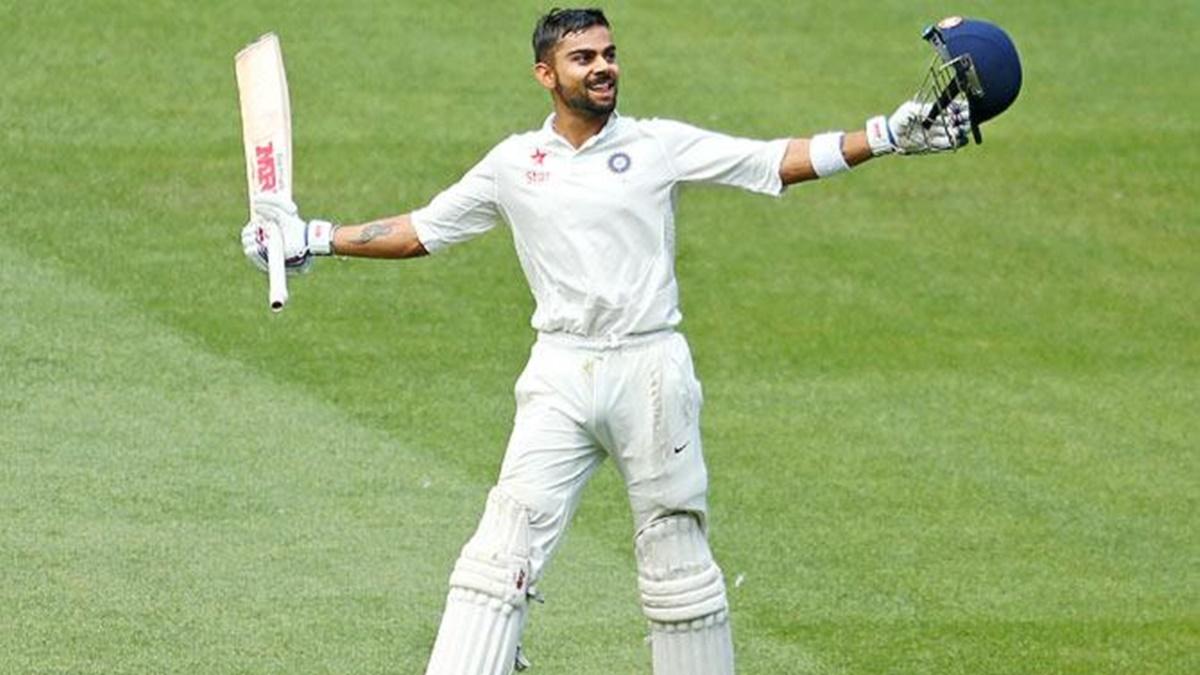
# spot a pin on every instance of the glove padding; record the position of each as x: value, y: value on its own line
x: 301, y: 240
x: 903, y: 133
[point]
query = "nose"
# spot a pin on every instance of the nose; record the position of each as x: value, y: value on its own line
x: 602, y: 66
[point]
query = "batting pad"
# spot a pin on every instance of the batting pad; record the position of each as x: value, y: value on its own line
x: 683, y: 596
x: 489, y: 592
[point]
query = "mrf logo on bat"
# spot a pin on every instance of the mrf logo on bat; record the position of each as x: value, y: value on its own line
x: 266, y: 162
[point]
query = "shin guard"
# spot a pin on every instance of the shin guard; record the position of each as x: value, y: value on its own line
x: 683, y: 596
x: 489, y: 592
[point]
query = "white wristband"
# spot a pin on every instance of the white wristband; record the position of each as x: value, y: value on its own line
x: 879, y: 136
x: 825, y: 154
x: 320, y: 237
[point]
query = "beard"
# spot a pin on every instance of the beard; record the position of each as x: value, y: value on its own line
x: 579, y: 98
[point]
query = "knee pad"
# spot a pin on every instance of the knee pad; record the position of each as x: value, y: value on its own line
x: 496, y: 561
x: 677, y: 577
x: 683, y: 596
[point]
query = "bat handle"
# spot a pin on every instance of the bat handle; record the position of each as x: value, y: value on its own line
x: 276, y: 274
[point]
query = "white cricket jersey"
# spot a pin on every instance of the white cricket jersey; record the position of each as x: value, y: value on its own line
x: 594, y: 227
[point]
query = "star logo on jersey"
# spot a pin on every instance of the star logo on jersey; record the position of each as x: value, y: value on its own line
x: 539, y: 157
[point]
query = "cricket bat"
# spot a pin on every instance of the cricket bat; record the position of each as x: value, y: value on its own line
x: 267, y: 139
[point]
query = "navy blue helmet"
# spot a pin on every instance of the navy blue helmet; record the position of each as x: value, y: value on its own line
x: 975, y: 58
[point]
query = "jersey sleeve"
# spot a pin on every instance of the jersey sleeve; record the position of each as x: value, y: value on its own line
x: 462, y: 211
x: 701, y: 156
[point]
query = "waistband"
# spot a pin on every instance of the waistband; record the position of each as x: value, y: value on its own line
x: 604, y: 342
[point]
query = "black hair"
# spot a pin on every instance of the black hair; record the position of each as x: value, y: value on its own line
x: 559, y: 23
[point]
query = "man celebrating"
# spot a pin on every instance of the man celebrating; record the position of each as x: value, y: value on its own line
x: 590, y: 198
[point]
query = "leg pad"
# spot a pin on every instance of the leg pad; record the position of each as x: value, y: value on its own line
x: 683, y: 596
x: 489, y: 592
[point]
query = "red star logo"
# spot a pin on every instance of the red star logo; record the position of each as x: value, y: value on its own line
x: 539, y: 157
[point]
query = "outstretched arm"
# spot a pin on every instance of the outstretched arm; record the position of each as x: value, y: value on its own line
x: 797, y: 164
x: 460, y: 212
x: 393, y: 237
x: 903, y: 133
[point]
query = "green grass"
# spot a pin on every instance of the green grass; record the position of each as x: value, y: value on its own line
x: 952, y: 403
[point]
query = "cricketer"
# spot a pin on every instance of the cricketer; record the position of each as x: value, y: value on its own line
x: 590, y: 199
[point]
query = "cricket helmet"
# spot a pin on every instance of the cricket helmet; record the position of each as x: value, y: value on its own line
x: 977, y: 58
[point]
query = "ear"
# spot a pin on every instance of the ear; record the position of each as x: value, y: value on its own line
x: 545, y: 76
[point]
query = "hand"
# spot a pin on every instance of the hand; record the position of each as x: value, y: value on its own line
x: 903, y: 133
x: 301, y: 240
x: 281, y: 213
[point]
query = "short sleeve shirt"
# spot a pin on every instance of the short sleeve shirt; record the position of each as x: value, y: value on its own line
x: 594, y: 226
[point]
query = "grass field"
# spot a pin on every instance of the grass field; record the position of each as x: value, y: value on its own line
x: 952, y: 403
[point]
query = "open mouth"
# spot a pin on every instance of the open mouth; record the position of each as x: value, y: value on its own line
x: 602, y: 86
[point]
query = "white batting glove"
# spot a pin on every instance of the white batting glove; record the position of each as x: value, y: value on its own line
x: 301, y: 240
x: 903, y: 133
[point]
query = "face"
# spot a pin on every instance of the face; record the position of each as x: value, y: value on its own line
x: 584, y: 73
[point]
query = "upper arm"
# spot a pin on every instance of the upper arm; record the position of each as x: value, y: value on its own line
x: 462, y: 211
x: 699, y: 155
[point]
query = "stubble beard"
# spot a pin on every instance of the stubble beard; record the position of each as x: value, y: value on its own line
x: 580, y: 101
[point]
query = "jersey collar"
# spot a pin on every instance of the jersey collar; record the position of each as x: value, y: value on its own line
x: 553, y: 136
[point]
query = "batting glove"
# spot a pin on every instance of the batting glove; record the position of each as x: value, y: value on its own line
x: 301, y: 240
x: 903, y: 133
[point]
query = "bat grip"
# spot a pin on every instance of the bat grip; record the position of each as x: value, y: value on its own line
x: 277, y: 294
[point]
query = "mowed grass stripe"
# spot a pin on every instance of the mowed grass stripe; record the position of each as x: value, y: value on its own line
x: 929, y: 507
x: 168, y: 510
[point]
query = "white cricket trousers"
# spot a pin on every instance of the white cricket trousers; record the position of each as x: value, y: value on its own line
x: 580, y: 400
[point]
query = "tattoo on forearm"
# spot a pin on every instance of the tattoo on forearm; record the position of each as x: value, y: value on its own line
x: 371, y: 232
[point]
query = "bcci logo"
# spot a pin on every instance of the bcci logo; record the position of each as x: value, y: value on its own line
x: 619, y: 162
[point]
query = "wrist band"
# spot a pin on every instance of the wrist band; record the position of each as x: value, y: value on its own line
x: 825, y: 154
x: 320, y: 237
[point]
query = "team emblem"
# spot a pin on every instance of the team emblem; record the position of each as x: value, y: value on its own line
x: 949, y: 22
x: 619, y: 162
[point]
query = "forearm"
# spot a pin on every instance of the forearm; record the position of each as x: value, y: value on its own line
x: 797, y: 163
x: 393, y: 237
